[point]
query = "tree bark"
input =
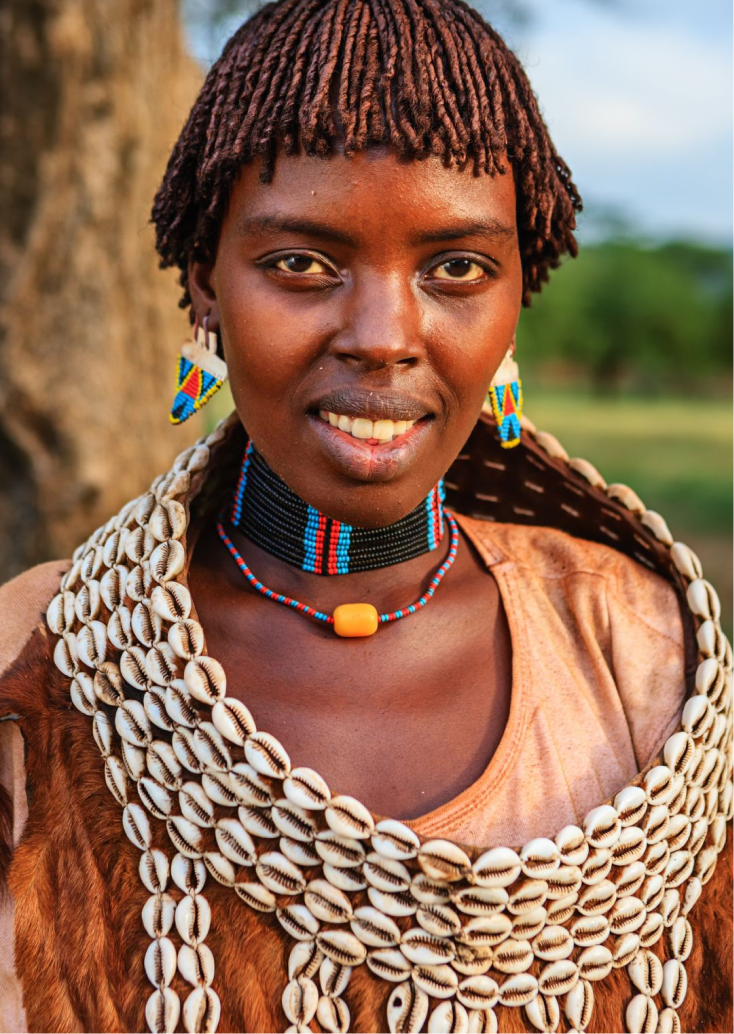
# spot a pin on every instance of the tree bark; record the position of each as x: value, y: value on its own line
x: 93, y: 96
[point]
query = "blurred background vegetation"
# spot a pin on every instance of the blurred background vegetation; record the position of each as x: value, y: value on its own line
x: 626, y: 356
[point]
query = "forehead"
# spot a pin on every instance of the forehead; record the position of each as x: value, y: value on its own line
x: 373, y: 191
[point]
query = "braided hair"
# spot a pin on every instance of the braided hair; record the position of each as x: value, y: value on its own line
x: 426, y: 77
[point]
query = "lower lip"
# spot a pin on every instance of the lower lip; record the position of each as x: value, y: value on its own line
x: 364, y: 462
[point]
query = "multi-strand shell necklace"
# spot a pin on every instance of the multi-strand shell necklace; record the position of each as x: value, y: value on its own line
x: 455, y: 932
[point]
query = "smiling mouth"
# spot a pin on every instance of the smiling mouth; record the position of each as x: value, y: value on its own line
x: 372, y: 432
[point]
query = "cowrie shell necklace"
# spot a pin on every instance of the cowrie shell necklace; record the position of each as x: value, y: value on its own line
x: 454, y: 931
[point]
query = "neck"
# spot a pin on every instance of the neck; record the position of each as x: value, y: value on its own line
x: 273, y: 517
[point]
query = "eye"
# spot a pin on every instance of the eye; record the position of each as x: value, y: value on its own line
x: 301, y: 264
x: 459, y: 269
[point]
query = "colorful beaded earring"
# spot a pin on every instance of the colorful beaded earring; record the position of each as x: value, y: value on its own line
x: 201, y: 373
x: 505, y: 398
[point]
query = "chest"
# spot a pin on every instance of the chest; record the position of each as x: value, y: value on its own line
x: 404, y: 720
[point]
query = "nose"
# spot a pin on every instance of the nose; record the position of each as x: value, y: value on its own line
x: 381, y: 324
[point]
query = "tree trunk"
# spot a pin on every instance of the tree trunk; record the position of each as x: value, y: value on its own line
x: 94, y: 93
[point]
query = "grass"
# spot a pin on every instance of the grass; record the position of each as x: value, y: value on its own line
x: 676, y: 455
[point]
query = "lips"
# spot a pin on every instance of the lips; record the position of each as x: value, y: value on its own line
x: 360, y: 460
x: 372, y: 405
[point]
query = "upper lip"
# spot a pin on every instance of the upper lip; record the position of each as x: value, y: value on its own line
x: 372, y: 404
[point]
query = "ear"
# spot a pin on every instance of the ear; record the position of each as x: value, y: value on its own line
x: 203, y: 292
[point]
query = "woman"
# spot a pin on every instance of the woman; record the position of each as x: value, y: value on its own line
x: 362, y: 197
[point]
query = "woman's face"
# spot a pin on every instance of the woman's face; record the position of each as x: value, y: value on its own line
x: 373, y: 294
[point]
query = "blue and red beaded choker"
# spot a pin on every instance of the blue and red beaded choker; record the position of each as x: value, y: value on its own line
x: 274, y: 518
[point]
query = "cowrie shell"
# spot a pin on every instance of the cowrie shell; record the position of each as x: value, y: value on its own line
x: 220, y: 868
x: 82, y: 693
x: 597, y: 899
x: 116, y: 779
x: 484, y: 931
x: 102, y: 732
x: 679, y: 868
x: 650, y: 931
x: 565, y: 880
x: 154, y: 871
x: 479, y: 901
x: 132, y: 668
x: 267, y: 755
x: 429, y: 891
x: 630, y: 847
x: 702, y: 599
x: 437, y: 981
x: 373, y: 929
x: 558, y: 977
x: 579, y: 1005
x: 594, y: 963
x: 180, y: 705
x: 426, y: 949
x: 407, y: 1008
x: 526, y: 925
x: 478, y: 992
x: 527, y: 896
x: 108, y: 685
x: 279, y: 874
x: 705, y: 864
x: 651, y: 891
x: 656, y: 857
x: 160, y: 962
x: 646, y: 973
x: 195, y: 805
x: 471, y: 962
x: 589, y: 930
x: 658, y: 785
x: 386, y: 874
x: 669, y: 1022
x: 518, y: 989
x: 333, y: 978
x: 327, y: 902
x: 347, y: 817
x: 166, y: 560
x: 555, y: 942
x: 304, y: 959
x: 674, y: 983
x: 655, y: 823
x: 333, y: 1015
x: 627, y: 915
x: 210, y: 748
x: 539, y: 857
x: 498, y: 867
x: 72, y: 577
x: 440, y: 920
x: 186, y: 639
x: 235, y: 842
x: 670, y: 907
x: 92, y: 562
x: 597, y: 866
x: 196, y: 965
x: 161, y: 664
x: 602, y: 826
x: 60, y: 613
x: 201, y: 1011
x: 679, y: 832
x: 448, y: 1016
x: 186, y: 837
x: 233, y: 720
x: 484, y: 1022
x: 626, y: 497
x: 389, y: 964
x: 305, y: 788
x: 442, y: 860
x: 341, y: 852
x: 112, y: 586
x: 681, y: 939
x: 193, y: 918
x: 87, y: 601
x: 657, y: 525
x: 91, y: 644
x: 641, y: 1015
x: 155, y: 797
x: 685, y: 560
x: 551, y: 445
x: 205, y: 680
x: 625, y: 948
x: 171, y: 602
x: 250, y: 787
x: 136, y: 825
x: 132, y: 723
x: 167, y: 520
x: 163, y: 764
x: 394, y: 840
x: 342, y: 946
x: 400, y: 904
x: 631, y: 805
x: 162, y: 1011
x: 113, y: 551
x: 146, y: 625
x: 293, y: 821
x: 543, y: 1013
x: 138, y: 583
x: 512, y: 956
x: 157, y: 915
x: 572, y: 845
x: 300, y: 998
x: 299, y: 852
x: 259, y: 898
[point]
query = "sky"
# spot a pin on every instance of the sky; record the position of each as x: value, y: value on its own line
x: 637, y: 95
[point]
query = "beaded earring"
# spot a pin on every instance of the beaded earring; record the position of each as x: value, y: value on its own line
x: 505, y: 398
x: 201, y: 373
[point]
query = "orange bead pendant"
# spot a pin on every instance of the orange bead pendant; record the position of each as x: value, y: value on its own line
x: 352, y: 620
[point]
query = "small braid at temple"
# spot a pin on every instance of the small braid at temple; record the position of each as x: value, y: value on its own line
x: 321, y: 77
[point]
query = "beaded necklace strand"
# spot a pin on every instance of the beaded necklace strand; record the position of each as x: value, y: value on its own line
x: 350, y: 620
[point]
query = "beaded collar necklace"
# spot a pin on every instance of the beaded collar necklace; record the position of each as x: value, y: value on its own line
x: 458, y: 933
x: 273, y: 517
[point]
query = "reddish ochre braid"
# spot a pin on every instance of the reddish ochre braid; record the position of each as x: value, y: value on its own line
x: 318, y: 76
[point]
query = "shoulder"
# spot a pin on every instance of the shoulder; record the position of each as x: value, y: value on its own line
x: 23, y: 603
x: 571, y: 566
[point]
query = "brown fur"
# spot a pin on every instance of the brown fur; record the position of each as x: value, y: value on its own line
x: 80, y: 942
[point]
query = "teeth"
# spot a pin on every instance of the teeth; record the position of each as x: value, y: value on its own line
x: 361, y: 427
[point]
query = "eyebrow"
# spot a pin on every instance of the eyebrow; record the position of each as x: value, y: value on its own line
x: 491, y: 229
